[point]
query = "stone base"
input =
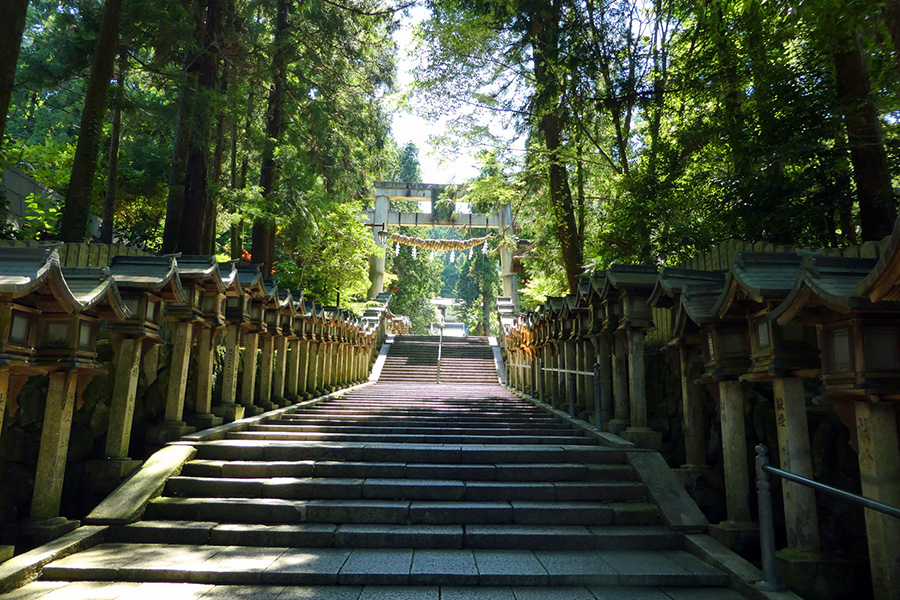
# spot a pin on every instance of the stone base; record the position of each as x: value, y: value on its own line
x: 6, y: 553
x: 230, y: 412
x: 203, y: 420
x: 281, y: 402
x: 643, y: 437
x: 167, y: 431
x: 103, y: 476
x: 31, y: 533
x: 742, y: 538
x: 815, y: 575
x: 689, y: 474
x: 251, y: 410
x: 616, y: 426
x: 267, y: 406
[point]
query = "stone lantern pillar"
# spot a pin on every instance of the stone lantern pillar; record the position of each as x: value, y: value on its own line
x: 66, y: 349
x: 252, y: 283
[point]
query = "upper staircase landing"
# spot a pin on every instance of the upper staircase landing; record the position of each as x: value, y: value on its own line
x: 414, y: 359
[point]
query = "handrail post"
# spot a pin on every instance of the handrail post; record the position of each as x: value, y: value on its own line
x: 598, y: 415
x: 570, y: 392
x: 770, y: 581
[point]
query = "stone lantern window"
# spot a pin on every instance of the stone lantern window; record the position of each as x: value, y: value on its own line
x: 20, y: 337
x: 728, y: 349
x: 67, y: 336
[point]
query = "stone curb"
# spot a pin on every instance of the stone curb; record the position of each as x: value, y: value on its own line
x: 127, y: 502
x: 26, y: 567
x: 605, y: 438
x: 742, y: 575
x: 677, y: 509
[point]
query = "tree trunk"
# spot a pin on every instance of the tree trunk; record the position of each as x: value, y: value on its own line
x: 871, y: 173
x: 545, y: 48
x: 263, y: 248
x: 11, y: 27
x: 112, y: 170
x: 75, y: 216
x: 891, y: 11
x: 196, y: 176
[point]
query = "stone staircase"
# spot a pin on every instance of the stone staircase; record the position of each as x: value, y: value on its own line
x: 429, y: 487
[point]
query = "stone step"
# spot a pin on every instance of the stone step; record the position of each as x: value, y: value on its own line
x: 557, y: 472
x: 327, y: 535
x: 372, y: 566
x: 447, y: 429
x: 301, y: 419
x: 271, y: 450
x: 400, y: 512
x: 434, y: 438
x: 303, y: 488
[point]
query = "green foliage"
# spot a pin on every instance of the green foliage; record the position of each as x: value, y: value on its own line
x: 41, y: 220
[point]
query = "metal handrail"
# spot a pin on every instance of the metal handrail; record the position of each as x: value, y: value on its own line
x: 770, y: 581
x: 599, y: 417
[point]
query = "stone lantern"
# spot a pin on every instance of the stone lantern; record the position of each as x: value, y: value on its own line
x: 726, y: 354
x: 255, y: 324
x: 199, y: 276
x: 667, y: 294
x: 66, y: 349
x: 295, y: 340
x: 860, y: 344
x: 235, y: 316
x: 627, y: 290
x: 785, y: 355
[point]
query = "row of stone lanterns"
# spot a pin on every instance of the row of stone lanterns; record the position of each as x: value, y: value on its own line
x: 51, y: 319
x: 782, y: 318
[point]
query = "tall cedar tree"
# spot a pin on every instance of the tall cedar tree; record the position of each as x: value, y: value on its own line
x: 263, y: 248
x: 74, y: 222
x: 11, y: 27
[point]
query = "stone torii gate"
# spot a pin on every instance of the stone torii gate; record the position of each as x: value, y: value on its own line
x: 382, y: 215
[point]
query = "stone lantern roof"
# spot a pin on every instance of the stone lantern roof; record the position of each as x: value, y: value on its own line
x: 251, y: 280
x: 156, y: 274
x: 829, y: 284
x: 201, y: 269
x: 883, y: 282
x: 757, y: 278
x: 671, y: 281
x: 630, y: 277
x: 96, y: 292
x: 36, y: 272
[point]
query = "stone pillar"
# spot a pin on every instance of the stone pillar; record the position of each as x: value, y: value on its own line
x: 879, y: 469
x: 150, y: 363
x: 173, y: 426
x: 604, y: 358
x: 228, y: 409
x: 51, y: 467
x: 620, y: 384
x: 571, y: 364
x: 248, y: 386
x: 800, y: 515
x: 204, y: 417
x: 178, y: 372
x: 638, y: 432
x: 4, y: 396
x: 266, y: 367
x: 121, y: 409
x: 312, y: 378
x: 579, y: 379
x: 692, y: 409
x: 303, y: 369
x: 280, y: 368
x: 734, y: 451
x: 510, y: 279
x: 376, y: 261
x: 293, y: 370
x: 321, y: 369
